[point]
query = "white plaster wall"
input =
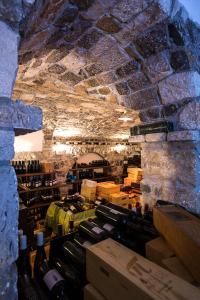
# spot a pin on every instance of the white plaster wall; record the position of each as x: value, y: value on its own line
x: 31, y: 142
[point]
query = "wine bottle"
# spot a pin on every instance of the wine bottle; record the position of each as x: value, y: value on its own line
x: 40, y: 254
x: 93, y: 230
x: 111, y: 215
x: 69, y: 272
x: 82, y: 242
x: 26, y: 288
x: 74, y: 253
x: 105, y: 225
x: 59, y: 230
x: 53, y: 281
x: 24, y: 266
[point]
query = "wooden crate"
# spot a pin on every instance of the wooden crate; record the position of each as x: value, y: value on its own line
x: 105, y: 189
x: 90, y: 293
x: 47, y: 167
x: 121, y: 274
x: 157, y: 250
x: 181, y: 230
x: 174, y: 265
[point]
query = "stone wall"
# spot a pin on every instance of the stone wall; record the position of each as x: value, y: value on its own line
x: 171, y: 167
x: 15, y: 118
x: 140, y: 54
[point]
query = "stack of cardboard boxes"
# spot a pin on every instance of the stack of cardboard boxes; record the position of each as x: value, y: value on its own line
x: 134, y: 176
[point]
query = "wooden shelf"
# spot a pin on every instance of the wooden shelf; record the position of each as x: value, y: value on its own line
x: 34, y: 174
x: 39, y: 204
x: 43, y: 188
x: 87, y: 168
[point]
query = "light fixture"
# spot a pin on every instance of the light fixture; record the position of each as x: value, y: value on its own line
x: 119, y: 148
x: 125, y: 118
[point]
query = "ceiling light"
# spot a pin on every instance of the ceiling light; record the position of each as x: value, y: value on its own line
x: 125, y: 119
x: 119, y: 148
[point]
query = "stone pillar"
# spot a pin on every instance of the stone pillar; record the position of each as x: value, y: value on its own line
x: 15, y: 118
x: 171, y: 164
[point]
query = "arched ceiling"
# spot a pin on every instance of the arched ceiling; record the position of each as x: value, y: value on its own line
x: 88, y: 62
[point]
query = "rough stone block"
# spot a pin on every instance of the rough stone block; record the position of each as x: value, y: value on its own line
x: 153, y: 41
x: 137, y: 139
x: 125, y: 9
x: 157, y: 67
x: 180, y: 86
x: 8, y: 282
x: 184, y: 135
x: 57, y: 69
x: 127, y: 69
x: 143, y: 99
x: 108, y: 24
x: 138, y: 81
x: 17, y: 115
x: 8, y: 58
x: 9, y: 216
x: 189, y: 117
x: 156, y: 137
x: 11, y: 11
x: 67, y: 14
x: 150, y: 114
x: 179, y: 61
x: 107, y: 53
x: 146, y: 19
x: 123, y: 88
x: 6, y: 144
x: 89, y: 39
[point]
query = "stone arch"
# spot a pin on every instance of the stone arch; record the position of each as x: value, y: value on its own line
x: 140, y: 54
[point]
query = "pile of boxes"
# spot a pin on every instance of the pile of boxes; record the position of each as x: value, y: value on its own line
x: 109, y: 191
x: 116, y: 272
x: 88, y: 189
x: 134, y: 176
x: 171, y: 269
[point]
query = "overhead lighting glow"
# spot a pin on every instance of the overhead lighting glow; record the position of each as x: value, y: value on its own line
x: 125, y: 119
x: 119, y: 148
x: 67, y: 133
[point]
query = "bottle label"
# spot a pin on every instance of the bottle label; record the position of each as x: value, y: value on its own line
x: 115, y: 212
x: 87, y: 244
x: 108, y: 227
x: 51, y: 278
x: 97, y: 230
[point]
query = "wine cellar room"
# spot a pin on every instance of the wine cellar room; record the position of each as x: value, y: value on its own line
x: 99, y: 149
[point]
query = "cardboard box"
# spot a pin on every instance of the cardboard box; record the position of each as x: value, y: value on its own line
x: 47, y: 167
x: 135, y: 174
x: 127, y: 181
x: 121, y: 274
x: 157, y: 250
x: 88, y: 189
x: 90, y: 293
x: 174, y: 265
x: 104, y: 189
x: 181, y: 230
